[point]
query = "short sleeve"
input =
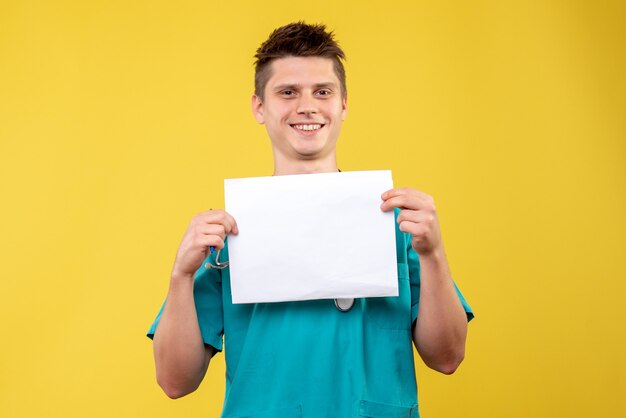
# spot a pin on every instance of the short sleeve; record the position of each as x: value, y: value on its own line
x: 207, y: 293
x: 414, y: 277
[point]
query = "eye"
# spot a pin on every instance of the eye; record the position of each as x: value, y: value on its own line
x: 288, y: 93
x: 324, y: 92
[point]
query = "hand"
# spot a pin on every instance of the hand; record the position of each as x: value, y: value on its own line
x: 417, y: 217
x: 207, y: 229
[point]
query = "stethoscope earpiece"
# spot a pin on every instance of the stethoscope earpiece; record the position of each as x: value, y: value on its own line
x: 217, y: 264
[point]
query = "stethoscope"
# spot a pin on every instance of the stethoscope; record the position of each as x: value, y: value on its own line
x: 342, y: 304
x: 217, y: 265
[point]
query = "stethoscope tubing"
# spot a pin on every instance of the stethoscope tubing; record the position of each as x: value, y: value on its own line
x: 342, y: 304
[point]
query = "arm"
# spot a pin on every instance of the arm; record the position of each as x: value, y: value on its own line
x: 180, y: 356
x: 440, y: 329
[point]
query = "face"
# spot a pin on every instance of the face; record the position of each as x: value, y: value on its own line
x: 303, y: 108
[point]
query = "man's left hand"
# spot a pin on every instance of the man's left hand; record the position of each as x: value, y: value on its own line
x: 417, y: 216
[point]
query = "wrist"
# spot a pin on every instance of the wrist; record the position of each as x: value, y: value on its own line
x: 435, y: 255
x: 178, y: 278
x: 434, y: 260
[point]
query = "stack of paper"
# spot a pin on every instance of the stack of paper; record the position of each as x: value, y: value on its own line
x: 311, y: 236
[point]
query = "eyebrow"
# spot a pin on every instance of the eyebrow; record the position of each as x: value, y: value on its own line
x: 299, y: 86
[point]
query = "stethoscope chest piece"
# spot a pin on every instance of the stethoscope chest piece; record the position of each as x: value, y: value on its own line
x: 344, y: 304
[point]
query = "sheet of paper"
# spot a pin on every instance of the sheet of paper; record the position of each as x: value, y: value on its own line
x: 311, y: 236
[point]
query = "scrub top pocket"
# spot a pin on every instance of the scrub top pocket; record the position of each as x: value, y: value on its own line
x: 369, y: 409
x: 291, y: 412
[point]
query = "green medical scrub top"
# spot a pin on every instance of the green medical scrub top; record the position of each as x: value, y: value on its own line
x: 307, y: 359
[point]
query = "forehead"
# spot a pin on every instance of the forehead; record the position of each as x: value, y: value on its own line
x: 302, y: 70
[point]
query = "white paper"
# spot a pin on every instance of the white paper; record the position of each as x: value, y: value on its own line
x: 311, y: 236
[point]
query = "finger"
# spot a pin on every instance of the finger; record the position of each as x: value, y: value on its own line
x: 212, y: 229
x: 231, y: 221
x: 403, y: 201
x: 207, y: 241
x: 235, y: 228
x: 219, y: 217
x: 415, y: 216
x: 416, y: 229
x: 392, y: 193
x: 402, y: 191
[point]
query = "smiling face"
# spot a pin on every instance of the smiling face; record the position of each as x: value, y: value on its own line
x: 302, y: 111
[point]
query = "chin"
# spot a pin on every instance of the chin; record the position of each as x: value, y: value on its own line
x: 308, y: 155
x: 309, y: 152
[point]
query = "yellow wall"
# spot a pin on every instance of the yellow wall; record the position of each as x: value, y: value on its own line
x: 120, y: 119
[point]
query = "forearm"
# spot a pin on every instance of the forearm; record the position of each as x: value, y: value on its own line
x: 441, y: 326
x: 180, y: 355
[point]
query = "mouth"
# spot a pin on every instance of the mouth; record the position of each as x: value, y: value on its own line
x: 307, y: 128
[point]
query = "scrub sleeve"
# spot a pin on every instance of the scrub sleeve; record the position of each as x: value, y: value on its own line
x: 414, y: 274
x: 207, y: 293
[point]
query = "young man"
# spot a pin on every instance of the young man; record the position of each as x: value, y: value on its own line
x: 310, y: 358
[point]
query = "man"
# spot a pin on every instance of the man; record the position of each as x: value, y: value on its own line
x: 310, y: 358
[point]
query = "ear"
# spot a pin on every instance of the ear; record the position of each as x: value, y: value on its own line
x: 257, y: 109
x: 344, y: 107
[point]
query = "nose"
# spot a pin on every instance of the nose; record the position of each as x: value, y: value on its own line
x: 306, y: 105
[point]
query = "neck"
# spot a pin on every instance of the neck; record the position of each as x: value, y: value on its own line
x: 328, y: 165
x: 284, y: 166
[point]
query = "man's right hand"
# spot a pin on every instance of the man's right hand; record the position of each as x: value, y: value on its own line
x: 207, y: 229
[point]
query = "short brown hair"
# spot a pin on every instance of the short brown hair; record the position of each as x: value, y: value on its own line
x: 297, y: 40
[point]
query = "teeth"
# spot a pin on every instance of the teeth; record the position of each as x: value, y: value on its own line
x: 308, y: 127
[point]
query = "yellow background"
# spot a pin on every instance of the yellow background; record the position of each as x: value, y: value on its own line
x: 120, y: 119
